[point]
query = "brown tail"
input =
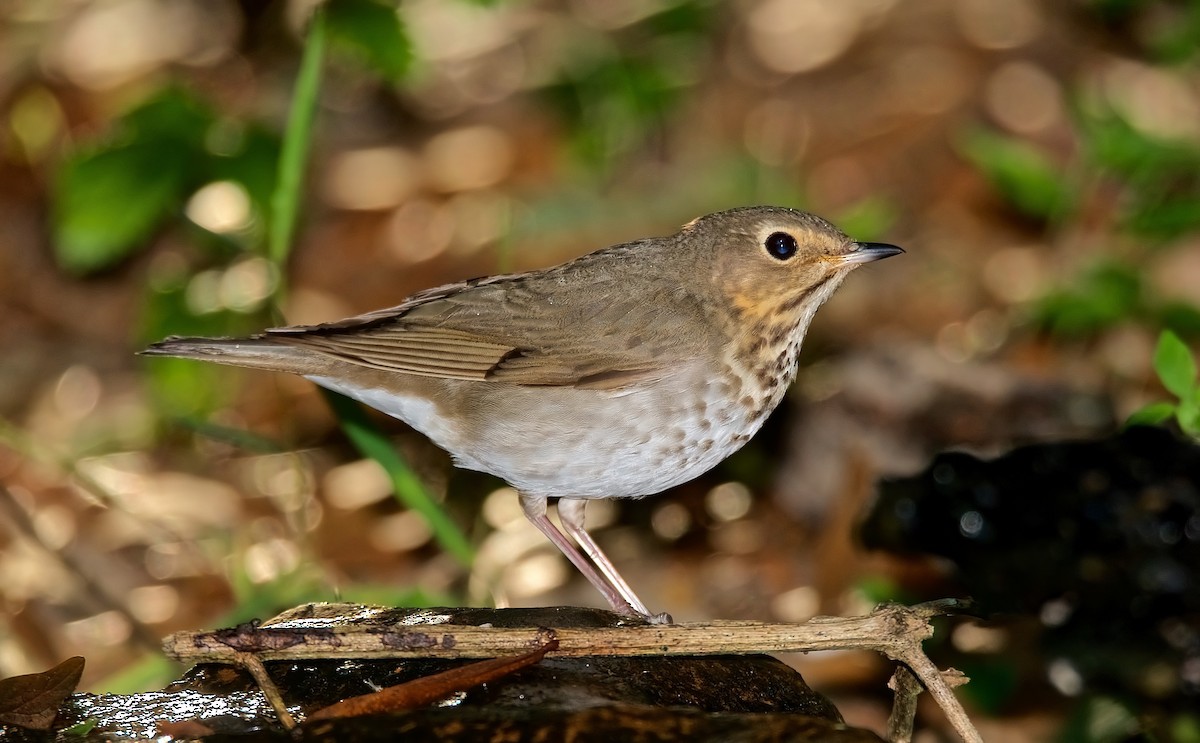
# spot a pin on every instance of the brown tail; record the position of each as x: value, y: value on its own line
x: 256, y: 353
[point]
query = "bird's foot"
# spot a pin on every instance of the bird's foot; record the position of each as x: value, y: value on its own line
x: 644, y: 616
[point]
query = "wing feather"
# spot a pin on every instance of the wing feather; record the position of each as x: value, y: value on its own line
x: 524, y: 329
x: 414, y: 351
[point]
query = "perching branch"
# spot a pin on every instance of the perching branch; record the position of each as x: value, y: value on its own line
x: 894, y: 630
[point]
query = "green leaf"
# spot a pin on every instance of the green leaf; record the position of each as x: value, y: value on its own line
x: 617, y: 92
x: 79, y: 729
x: 1175, y: 366
x: 1023, y: 175
x: 109, y: 197
x: 372, y: 34
x: 106, y: 203
x: 1151, y: 415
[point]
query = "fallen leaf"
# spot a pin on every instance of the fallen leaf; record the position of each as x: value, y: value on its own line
x: 32, y: 700
x: 184, y: 729
x: 423, y: 691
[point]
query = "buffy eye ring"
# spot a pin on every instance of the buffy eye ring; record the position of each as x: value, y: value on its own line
x: 781, y: 245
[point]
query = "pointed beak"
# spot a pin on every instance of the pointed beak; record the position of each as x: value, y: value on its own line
x: 869, y: 252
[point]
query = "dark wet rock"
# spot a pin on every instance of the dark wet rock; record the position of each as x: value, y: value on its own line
x: 15, y: 734
x: 623, y: 722
x: 1098, y: 542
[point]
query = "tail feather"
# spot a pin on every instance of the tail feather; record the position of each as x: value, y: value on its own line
x: 257, y: 352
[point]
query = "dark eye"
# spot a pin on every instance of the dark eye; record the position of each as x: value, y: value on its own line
x: 781, y: 245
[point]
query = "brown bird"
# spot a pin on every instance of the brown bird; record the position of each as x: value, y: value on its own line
x: 615, y: 375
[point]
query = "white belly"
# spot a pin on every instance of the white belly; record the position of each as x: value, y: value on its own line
x: 567, y: 442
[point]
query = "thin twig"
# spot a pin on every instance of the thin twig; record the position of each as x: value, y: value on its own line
x: 95, y: 590
x: 254, y: 665
x: 890, y: 629
x: 21, y: 442
x: 91, y: 489
x: 939, y: 688
x: 904, y: 709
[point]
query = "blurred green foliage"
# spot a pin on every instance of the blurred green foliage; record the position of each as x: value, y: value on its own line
x: 110, y: 195
x: 619, y: 89
x: 1185, y: 728
x: 868, y: 219
x: 1157, y: 203
x: 372, y: 34
x: 1159, y: 178
x: 994, y: 681
x: 1174, y: 25
x: 1116, y: 178
x: 1101, y: 719
x: 1024, y: 176
x: 1106, y: 294
x: 1103, y: 296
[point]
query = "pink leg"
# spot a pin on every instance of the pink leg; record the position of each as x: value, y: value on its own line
x: 570, y: 512
x: 535, y: 510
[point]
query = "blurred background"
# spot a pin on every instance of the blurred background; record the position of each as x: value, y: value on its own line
x: 1040, y: 161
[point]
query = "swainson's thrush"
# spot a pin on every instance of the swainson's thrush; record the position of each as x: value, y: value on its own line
x: 615, y: 375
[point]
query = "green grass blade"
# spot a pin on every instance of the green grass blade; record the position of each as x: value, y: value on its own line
x: 285, y: 205
x: 371, y: 442
x: 286, y: 199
